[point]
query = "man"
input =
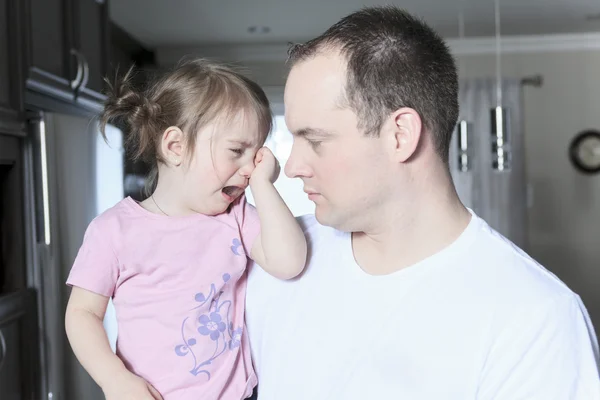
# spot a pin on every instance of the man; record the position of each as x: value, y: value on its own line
x: 407, y: 294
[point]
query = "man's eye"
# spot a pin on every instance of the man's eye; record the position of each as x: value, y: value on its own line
x: 314, y: 144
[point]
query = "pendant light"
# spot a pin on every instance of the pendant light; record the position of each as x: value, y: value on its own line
x: 463, y: 128
x: 499, y: 114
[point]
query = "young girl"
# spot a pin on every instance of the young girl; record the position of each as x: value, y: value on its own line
x: 175, y: 263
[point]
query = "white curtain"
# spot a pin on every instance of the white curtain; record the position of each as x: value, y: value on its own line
x: 498, y: 197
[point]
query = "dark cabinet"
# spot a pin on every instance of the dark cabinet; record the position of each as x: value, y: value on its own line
x: 19, y: 341
x: 67, y: 48
x: 49, y: 54
x: 12, y: 231
x: 10, y: 377
x: 92, y: 40
x: 11, y: 105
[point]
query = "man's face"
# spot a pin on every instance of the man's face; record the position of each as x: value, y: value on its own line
x: 344, y: 171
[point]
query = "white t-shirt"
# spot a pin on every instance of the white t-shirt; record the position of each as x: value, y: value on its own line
x: 478, y: 320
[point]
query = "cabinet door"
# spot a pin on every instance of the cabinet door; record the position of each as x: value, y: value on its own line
x: 50, y: 58
x: 19, y: 353
x: 10, y: 363
x: 92, y: 41
x: 11, y: 120
x: 12, y: 229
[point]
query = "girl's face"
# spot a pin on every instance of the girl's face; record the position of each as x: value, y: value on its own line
x: 219, y: 168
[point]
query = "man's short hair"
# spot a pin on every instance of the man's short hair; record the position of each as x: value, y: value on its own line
x: 394, y: 60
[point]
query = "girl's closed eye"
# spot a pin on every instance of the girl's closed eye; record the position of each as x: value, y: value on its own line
x: 238, y: 152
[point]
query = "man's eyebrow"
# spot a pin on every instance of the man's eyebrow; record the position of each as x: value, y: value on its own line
x: 303, y: 132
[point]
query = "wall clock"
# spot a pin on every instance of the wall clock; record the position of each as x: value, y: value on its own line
x: 584, y: 151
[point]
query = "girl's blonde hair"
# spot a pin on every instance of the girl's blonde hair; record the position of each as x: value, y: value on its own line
x: 196, y: 92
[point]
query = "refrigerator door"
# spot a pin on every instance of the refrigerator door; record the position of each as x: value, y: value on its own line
x: 77, y: 176
x: 90, y: 172
x: 43, y: 252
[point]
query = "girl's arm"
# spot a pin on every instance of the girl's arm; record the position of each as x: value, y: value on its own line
x: 86, y: 334
x: 280, y: 248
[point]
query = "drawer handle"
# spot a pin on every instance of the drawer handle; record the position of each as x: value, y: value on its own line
x: 75, y: 83
x: 2, y: 350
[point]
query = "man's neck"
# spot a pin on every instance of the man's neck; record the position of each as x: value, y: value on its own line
x: 404, y: 236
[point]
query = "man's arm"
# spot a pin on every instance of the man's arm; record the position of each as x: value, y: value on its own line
x: 548, y: 352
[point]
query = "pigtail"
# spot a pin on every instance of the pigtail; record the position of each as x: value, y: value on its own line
x: 141, y: 115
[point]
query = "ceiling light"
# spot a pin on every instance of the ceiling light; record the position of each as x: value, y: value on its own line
x: 259, y: 30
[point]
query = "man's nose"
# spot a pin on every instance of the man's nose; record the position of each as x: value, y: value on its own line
x: 296, y: 165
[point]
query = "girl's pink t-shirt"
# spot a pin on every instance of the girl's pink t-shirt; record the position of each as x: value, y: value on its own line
x: 178, y: 285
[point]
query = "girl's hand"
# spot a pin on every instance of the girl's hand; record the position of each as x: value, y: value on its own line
x: 130, y: 387
x: 266, y: 166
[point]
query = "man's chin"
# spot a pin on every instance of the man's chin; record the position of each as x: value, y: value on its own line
x: 326, y: 217
x: 336, y: 220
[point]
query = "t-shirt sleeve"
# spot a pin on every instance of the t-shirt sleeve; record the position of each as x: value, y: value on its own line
x: 96, y: 267
x: 249, y: 224
x: 550, y: 352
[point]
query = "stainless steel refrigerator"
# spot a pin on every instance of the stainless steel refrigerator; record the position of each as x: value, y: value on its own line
x: 72, y: 176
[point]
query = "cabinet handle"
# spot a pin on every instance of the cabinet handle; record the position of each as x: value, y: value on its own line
x: 86, y: 72
x: 2, y: 350
x: 79, y: 76
x: 45, y: 184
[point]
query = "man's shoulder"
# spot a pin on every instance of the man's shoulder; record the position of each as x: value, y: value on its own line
x: 504, y: 288
x: 505, y: 269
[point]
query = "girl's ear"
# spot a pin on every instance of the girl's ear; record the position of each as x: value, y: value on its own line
x: 173, y: 145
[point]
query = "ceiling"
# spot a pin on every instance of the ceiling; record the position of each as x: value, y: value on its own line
x: 192, y: 22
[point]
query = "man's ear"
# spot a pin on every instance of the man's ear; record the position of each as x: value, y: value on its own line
x: 173, y: 146
x: 403, y: 129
